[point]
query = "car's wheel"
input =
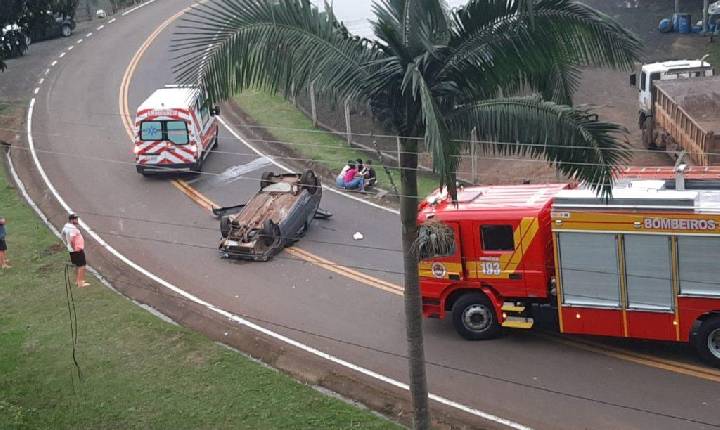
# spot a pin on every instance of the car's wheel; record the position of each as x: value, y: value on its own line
x: 266, y: 179
x: 66, y: 30
x: 225, y: 226
x: 309, y: 181
x: 270, y: 232
x: 707, y: 341
x: 474, y: 317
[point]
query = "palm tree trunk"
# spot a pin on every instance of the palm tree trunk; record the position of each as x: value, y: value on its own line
x: 413, y: 302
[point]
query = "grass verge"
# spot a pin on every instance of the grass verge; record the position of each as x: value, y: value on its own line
x: 289, y: 124
x: 138, y: 371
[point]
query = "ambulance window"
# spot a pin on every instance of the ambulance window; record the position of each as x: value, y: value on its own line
x: 697, y: 262
x: 151, y: 130
x: 177, y: 132
x: 643, y: 78
x: 497, y: 238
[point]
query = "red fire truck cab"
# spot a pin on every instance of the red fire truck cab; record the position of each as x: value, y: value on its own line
x: 643, y: 264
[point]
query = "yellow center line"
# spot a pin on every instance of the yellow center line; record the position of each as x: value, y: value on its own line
x: 205, y: 202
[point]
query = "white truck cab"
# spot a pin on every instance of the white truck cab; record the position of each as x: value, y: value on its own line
x: 666, y: 70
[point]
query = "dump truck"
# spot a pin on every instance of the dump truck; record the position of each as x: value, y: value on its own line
x: 278, y: 215
x: 679, y: 111
x: 642, y: 264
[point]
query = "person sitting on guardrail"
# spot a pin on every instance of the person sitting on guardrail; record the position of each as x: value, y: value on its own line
x: 354, y: 180
x: 369, y: 174
x: 340, y: 179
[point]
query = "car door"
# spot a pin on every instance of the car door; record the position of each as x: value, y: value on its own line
x: 500, y: 255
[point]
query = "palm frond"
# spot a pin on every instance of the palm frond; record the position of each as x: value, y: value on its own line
x: 227, y: 46
x: 501, y: 49
x: 574, y: 140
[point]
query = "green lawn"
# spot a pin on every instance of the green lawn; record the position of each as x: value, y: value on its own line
x: 288, y: 124
x: 138, y: 371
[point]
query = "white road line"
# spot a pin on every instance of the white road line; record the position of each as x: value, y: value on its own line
x: 282, y: 166
x: 53, y: 63
x: 89, y: 34
x: 239, y: 320
x: 62, y: 54
x: 137, y: 7
x: 37, y: 90
x: 100, y: 27
x: 40, y: 82
x: 79, y: 41
x: 112, y: 20
x: 70, y: 48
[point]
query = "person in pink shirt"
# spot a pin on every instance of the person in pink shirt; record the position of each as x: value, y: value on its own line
x: 75, y: 243
x: 354, y: 179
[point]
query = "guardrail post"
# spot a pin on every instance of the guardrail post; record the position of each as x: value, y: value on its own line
x: 348, y: 129
x: 473, y: 156
x: 313, y: 108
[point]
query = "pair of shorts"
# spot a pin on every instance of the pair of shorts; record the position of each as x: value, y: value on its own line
x: 3, y: 245
x: 77, y: 258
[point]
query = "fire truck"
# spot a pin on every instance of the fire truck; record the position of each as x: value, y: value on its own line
x: 644, y: 263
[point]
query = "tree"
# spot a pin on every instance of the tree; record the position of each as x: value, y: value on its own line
x: 507, y: 68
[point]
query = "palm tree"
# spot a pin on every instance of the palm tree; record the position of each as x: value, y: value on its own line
x: 506, y: 68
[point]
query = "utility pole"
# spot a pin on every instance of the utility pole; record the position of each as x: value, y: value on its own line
x: 705, y: 16
x: 677, y: 6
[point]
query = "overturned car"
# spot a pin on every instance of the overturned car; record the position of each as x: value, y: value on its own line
x: 278, y: 215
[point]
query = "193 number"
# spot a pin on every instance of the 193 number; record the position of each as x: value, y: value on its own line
x: 490, y: 268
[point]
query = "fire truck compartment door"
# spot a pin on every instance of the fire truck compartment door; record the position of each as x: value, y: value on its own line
x: 446, y: 268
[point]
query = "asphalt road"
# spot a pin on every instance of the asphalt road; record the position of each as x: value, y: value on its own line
x: 523, y: 376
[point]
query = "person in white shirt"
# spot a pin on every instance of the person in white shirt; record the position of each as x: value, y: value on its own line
x: 75, y: 243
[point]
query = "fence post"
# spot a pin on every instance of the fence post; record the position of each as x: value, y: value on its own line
x: 313, y: 109
x: 348, y: 129
x: 293, y: 99
x: 397, y: 139
x: 473, y: 156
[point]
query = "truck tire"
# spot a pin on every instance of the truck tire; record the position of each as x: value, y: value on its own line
x: 474, y: 317
x: 270, y: 232
x: 266, y: 179
x: 225, y: 226
x: 66, y: 30
x: 707, y: 341
x: 309, y: 181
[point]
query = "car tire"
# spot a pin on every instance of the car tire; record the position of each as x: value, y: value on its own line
x: 474, y: 317
x: 266, y: 179
x: 224, y: 226
x: 707, y: 341
x: 66, y: 30
x: 309, y: 181
x: 270, y: 232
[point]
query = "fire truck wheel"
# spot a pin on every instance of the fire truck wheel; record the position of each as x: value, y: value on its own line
x: 707, y: 341
x: 474, y: 317
x: 270, y: 232
x: 266, y: 179
x: 309, y: 181
x: 225, y: 226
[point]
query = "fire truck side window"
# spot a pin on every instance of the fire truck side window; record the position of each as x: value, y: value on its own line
x: 497, y: 238
x: 698, y: 258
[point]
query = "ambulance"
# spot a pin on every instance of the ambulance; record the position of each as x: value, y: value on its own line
x: 644, y: 264
x: 175, y: 131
